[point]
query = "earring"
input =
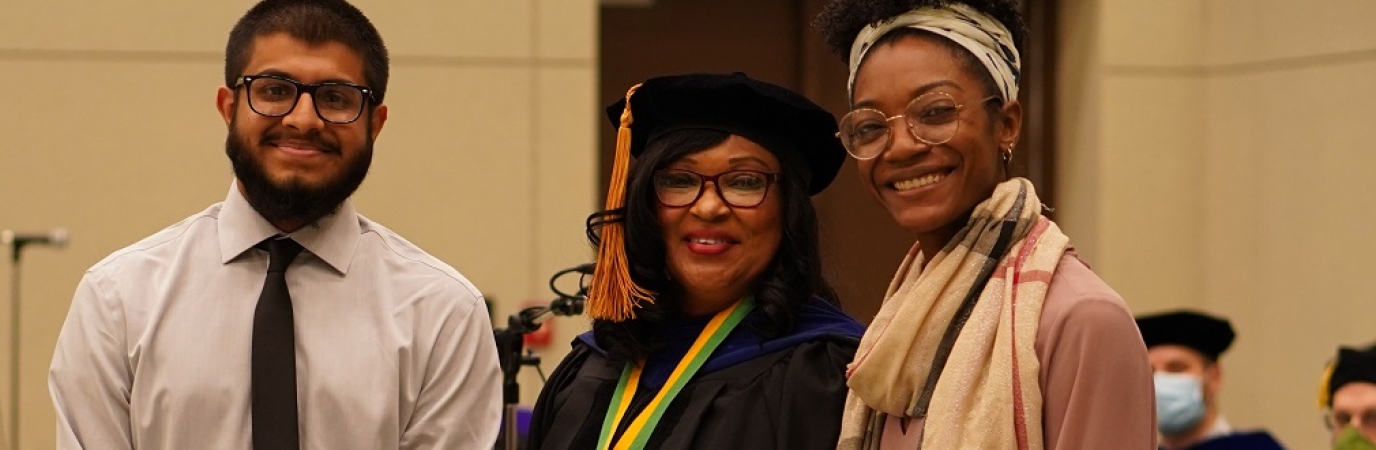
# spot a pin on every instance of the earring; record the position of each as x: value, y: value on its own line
x: 1007, y: 153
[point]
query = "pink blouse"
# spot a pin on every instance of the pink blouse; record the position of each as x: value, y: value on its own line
x: 1096, y: 382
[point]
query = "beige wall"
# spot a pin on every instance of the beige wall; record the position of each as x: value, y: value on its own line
x: 1216, y: 155
x: 1212, y: 156
x: 109, y: 129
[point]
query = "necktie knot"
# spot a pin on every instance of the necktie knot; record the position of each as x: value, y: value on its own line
x: 281, y: 251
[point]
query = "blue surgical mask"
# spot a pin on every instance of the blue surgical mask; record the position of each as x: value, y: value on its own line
x: 1179, y: 402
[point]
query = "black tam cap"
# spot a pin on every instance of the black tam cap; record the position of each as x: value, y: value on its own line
x: 1206, y: 334
x: 789, y: 125
x: 1352, y: 365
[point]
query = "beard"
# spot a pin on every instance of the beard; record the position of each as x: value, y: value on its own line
x: 293, y: 200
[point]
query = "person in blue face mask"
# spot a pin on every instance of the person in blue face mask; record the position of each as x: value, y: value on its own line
x: 1349, y: 399
x: 1184, y: 347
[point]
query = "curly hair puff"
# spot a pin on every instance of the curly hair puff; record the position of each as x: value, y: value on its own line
x: 841, y: 20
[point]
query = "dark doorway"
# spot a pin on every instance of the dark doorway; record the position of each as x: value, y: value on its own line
x: 773, y: 40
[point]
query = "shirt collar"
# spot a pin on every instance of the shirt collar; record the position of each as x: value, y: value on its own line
x: 1221, y: 428
x: 333, y: 238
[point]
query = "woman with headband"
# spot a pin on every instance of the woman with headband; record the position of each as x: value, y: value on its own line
x: 713, y: 327
x: 993, y: 334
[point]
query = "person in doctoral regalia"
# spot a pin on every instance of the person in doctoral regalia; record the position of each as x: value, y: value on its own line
x: 1348, y: 396
x: 713, y: 326
x: 1184, y: 348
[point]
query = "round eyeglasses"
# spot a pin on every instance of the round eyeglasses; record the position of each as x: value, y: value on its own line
x: 1365, y: 421
x: 932, y: 118
x: 274, y: 96
x: 677, y: 188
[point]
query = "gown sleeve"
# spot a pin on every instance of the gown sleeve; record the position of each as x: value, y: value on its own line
x: 555, y: 397
x: 813, y: 396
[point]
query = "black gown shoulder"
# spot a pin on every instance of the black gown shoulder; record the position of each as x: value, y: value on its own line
x: 1253, y: 440
x: 788, y: 399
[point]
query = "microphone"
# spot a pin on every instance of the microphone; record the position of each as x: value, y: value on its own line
x: 56, y: 237
x: 567, y: 306
x: 570, y: 304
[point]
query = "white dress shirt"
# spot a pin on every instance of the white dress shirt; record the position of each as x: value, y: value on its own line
x: 394, y: 349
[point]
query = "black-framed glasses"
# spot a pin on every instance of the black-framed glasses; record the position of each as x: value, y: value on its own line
x: 932, y: 118
x: 677, y: 188
x: 275, y: 96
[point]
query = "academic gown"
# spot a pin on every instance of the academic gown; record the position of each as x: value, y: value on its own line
x: 752, y: 393
x: 1255, y: 440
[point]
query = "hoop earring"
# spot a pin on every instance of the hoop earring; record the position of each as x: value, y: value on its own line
x: 1007, y: 153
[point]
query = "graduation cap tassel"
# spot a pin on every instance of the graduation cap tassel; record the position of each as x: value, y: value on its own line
x: 1327, y: 380
x: 613, y: 295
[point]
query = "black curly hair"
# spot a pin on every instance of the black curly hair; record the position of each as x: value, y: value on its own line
x: 841, y: 20
x: 793, y: 276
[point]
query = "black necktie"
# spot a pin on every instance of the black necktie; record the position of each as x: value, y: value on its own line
x: 274, y: 355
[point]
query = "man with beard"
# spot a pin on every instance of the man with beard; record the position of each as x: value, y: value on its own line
x: 1184, y: 347
x: 280, y: 318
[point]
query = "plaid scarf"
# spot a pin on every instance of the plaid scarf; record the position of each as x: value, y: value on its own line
x: 976, y: 305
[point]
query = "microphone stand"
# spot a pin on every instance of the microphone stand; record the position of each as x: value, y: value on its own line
x: 511, y: 351
x: 17, y: 242
x: 17, y: 247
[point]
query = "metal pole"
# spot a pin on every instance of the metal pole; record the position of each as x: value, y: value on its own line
x: 14, y: 347
x: 509, y: 434
x: 57, y: 238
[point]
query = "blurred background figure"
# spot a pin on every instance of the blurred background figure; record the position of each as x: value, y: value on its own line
x: 1184, y: 347
x: 1349, y: 395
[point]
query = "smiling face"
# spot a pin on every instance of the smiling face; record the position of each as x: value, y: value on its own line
x: 931, y: 189
x: 714, y: 252
x: 296, y: 168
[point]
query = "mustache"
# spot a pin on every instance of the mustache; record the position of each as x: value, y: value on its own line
x: 313, y: 139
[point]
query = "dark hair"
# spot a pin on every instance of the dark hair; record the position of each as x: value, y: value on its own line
x: 315, y: 22
x: 793, y: 276
x: 841, y: 20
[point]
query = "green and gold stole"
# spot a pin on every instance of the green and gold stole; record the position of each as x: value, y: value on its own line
x: 644, y: 424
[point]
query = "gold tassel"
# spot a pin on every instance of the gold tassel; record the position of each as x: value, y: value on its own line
x: 612, y: 295
x: 1325, y: 382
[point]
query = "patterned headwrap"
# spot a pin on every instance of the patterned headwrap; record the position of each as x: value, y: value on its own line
x: 982, y: 35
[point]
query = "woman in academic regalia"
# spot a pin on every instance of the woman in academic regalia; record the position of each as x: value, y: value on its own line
x: 713, y: 325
